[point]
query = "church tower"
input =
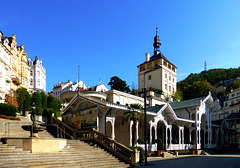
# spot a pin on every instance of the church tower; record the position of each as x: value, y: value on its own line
x: 161, y: 74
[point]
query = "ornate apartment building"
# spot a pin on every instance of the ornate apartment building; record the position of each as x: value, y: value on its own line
x: 19, y: 67
x: 37, y: 75
x: 232, y: 104
x: 5, y: 68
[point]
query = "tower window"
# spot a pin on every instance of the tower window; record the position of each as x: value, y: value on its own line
x: 149, y: 77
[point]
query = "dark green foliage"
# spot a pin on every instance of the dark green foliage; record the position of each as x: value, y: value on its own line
x: 140, y: 140
x: 134, y: 92
x: 136, y: 106
x: 23, y: 99
x: 142, y: 152
x: 159, y: 141
x: 197, y: 89
x: 8, y: 110
x: 193, y: 81
x: 37, y: 99
x: 118, y: 84
x: 44, y: 100
x: 175, y: 141
x: 54, y: 104
x: 234, y: 85
x: 192, y: 142
x: 177, y: 96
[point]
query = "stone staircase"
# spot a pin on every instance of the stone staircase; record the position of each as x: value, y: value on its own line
x: 13, y: 128
x: 75, y: 154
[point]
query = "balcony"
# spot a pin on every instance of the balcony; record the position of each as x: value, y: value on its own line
x: 16, y: 80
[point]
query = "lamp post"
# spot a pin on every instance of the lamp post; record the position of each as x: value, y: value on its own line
x: 145, y: 110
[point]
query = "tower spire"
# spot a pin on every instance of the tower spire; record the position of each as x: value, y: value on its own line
x: 156, y: 43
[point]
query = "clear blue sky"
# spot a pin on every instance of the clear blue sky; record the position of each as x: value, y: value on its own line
x: 110, y: 37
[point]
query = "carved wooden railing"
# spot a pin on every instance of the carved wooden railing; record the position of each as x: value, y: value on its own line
x: 120, y: 150
x: 123, y: 152
x: 69, y: 131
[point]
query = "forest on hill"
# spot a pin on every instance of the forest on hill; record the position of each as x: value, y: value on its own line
x: 197, y: 85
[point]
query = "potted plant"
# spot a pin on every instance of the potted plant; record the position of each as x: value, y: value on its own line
x: 159, y: 145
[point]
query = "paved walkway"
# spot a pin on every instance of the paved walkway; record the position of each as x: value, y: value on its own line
x: 193, y: 161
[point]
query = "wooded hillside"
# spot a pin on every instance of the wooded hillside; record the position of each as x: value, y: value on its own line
x: 197, y: 85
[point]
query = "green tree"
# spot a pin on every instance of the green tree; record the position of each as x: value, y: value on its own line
x: 197, y: 89
x: 36, y: 99
x: 134, y: 92
x: 23, y: 99
x: 177, y: 96
x: 53, y: 104
x: 118, y: 84
x: 50, y: 101
x: 44, y: 100
x: 236, y: 85
x: 135, y: 114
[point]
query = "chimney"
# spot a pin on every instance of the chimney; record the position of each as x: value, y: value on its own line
x: 147, y: 57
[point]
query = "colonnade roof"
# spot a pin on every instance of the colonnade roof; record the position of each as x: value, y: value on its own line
x: 187, y: 103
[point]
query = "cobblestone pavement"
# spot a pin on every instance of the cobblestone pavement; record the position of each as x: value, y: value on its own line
x: 231, y: 160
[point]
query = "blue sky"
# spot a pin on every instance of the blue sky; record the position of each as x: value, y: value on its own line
x: 110, y: 37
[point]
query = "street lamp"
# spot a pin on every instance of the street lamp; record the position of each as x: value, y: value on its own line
x: 145, y: 111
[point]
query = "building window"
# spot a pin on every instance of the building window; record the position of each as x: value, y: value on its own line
x: 23, y: 69
x: 165, y: 86
x: 173, y: 69
x: 31, y: 73
x: 31, y: 82
x: 169, y: 88
x: 226, y: 104
x: 233, y: 95
x: 173, y: 90
x: 149, y: 77
x: 173, y: 79
x: 165, y: 75
x: 170, y: 78
x: 23, y: 81
x: 38, y: 82
x: 38, y: 73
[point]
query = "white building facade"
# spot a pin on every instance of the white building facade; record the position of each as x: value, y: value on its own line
x: 5, y: 68
x: 62, y: 87
x: 37, y: 75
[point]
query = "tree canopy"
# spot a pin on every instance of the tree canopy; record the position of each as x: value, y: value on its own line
x: 118, y: 84
x: 23, y: 99
x: 196, y: 85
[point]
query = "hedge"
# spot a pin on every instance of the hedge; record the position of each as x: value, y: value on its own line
x: 8, y: 110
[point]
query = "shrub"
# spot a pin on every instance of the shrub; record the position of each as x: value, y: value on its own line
x: 8, y: 110
x: 140, y: 141
x: 159, y: 141
x: 175, y: 141
x: 192, y: 142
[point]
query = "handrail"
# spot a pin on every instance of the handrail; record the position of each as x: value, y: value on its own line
x: 120, y: 150
x: 113, y: 146
x: 67, y: 129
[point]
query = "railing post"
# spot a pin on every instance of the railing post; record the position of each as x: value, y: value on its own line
x: 135, y: 157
